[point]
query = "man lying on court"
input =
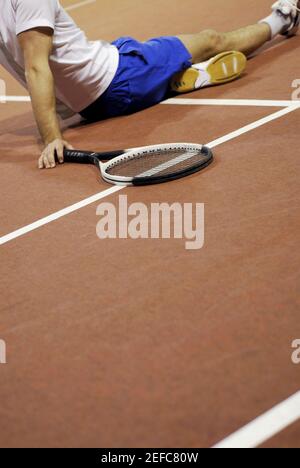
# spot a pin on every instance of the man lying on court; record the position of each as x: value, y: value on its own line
x: 65, y: 74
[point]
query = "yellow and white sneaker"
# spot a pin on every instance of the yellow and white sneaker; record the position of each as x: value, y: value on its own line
x: 220, y: 69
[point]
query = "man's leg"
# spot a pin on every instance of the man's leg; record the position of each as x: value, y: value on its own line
x: 209, y: 43
x: 214, y: 65
x: 218, y: 57
x: 284, y: 19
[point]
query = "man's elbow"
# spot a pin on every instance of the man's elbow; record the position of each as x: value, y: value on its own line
x: 37, y: 68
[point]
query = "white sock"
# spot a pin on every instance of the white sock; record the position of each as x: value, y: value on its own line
x: 277, y: 22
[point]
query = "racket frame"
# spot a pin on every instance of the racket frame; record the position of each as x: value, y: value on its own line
x: 134, y: 152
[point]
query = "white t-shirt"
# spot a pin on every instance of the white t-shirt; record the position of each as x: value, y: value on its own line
x: 82, y: 69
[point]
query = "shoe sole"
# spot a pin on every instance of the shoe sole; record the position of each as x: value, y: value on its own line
x: 223, y: 68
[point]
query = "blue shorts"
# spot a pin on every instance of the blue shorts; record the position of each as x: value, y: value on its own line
x: 143, y: 77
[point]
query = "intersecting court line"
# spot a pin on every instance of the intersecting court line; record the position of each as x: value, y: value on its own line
x: 59, y: 214
x: 194, y: 102
x: 229, y: 102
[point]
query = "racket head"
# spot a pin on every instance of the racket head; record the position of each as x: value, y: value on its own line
x: 156, y: 164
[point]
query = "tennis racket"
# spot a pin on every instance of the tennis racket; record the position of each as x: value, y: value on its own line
x: 147, y: 165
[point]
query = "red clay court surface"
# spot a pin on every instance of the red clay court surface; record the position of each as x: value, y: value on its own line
x: 125, y: 343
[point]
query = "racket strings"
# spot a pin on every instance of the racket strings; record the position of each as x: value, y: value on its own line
x: 159, y: 163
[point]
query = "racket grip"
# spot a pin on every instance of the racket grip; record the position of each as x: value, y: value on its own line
x: 89, y: 157
x: 79, y: 157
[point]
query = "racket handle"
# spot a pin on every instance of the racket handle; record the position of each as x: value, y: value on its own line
x: 89, y: 157
x: 79, y: 157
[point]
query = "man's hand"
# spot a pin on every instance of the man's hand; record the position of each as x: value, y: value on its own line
x: 53, y: 149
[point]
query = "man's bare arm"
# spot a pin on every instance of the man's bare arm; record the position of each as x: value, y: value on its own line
x: 37, y: 46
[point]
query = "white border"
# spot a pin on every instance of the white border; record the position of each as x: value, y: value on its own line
x: 284, y: 414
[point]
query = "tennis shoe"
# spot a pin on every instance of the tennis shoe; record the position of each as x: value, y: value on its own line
x: 222, y: 68
x: 289, y: 8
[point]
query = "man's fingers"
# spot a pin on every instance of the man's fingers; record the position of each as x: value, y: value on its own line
x: 51, y: 156
x: 60, y: 153
x: 53, y: 150
x: 60, y: 150
x: 46, y: 161
x: 41, y: 163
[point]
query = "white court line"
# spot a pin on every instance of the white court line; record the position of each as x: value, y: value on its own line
x: 194, y: 102
x: 229, y: 102
x: 4, y: 99
x: 42, y: 222
x: 79, y: 4
x: 59, y: 214
x: 252, y: 126
x: 265, y: 426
